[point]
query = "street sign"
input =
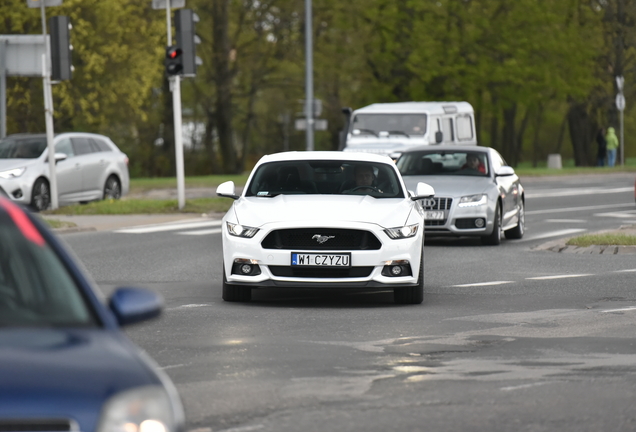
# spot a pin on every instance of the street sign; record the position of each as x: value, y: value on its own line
x: 319, y: 124
x: 23, y: 54
x: 47, y: 3
x: 620, y: 101
x: 620, y: 81
x: 317, y: 108
x: 174, y: 4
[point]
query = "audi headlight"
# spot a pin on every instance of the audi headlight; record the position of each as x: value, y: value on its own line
x: 241, y: 231
x: 473, y: 200
x: 12, y: 173
x: 145, y: 409
x: 402, y: 232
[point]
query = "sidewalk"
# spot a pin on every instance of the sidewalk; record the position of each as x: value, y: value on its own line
x: 114, y: 222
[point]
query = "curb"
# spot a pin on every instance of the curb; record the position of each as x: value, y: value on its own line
x: 561, y: 245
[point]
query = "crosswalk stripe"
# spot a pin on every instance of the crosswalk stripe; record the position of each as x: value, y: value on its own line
x: 169, y: 227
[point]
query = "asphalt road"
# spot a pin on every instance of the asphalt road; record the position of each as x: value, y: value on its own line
x: 511, y: 337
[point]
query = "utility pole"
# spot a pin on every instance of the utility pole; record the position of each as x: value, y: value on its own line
x: 620, y: 105
x: 309, y: 79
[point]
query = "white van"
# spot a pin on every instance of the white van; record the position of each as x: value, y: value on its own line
x: 388, y: 128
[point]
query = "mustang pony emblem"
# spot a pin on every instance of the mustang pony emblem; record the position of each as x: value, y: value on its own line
x: 322, y: 238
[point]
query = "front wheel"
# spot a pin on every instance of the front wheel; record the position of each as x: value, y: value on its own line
x: 235, y: 293
x: 517, y: 232
x: 495, y: 237
x: 112, y: 188
x: 40, y: 195
x: 412, y: 295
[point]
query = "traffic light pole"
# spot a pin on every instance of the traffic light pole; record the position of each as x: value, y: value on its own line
x: 175, y: 88
x: 48, y: 112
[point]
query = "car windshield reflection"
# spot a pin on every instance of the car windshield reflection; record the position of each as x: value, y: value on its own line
x: 454, y: 163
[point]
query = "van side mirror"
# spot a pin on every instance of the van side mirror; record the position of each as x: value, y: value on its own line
x: 439, y: 137
x: 58, y: 157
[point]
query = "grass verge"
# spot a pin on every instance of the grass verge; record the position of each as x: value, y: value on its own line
x: 603, y: 239
x: 144, y: 206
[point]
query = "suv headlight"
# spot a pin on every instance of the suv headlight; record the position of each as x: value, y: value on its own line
x: 145, y: 409
x: 12, y: 173
x: 238, y: 230
x: 473, y: 200
x: 402, y: 232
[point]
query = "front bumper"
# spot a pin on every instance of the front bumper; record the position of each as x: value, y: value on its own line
x: 16, y: 189
x: 463, y: 221
x: 274, y: 262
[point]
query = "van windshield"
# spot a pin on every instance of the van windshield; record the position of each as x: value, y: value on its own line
x: 392, y: 124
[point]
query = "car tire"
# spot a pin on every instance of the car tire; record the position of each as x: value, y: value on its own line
x: 40, y: 195
x: 235, y: 293
x: 494, y: 238
x: 411, y: 295
x: 112, y: 188
x: 517, y: 232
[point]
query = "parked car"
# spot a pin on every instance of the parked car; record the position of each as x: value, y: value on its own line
x: 88, y: 167
x: 65, y: 365
x: 476, y: 192
x: 304, y: 220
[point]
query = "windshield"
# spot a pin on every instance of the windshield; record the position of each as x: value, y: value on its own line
x: 35, y: 287
x: 461, y: 163
x: 325, y: 177
x: 391, y: 124
x: 22, y: 148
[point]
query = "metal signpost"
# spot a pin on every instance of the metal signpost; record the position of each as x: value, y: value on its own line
x: 309, y: 79
x: 620, y: 105
x: 48, y: 96
x: 175, y: 88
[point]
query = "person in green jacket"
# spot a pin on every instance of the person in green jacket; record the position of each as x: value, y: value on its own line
x: 612, y: 145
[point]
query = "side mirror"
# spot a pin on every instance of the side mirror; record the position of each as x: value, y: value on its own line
x: 505, y: 171
x: 423, y: 190
x: 131, y: 305
x: 58, y: 157
x: 347, y: 111
x: 439, y: 137
x: 227, y: 190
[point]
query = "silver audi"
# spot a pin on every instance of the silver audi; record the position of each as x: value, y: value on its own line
x: 476, y: 192
x: 88, y: 167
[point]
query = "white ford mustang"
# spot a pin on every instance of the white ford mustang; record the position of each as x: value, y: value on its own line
x: 324, y: 220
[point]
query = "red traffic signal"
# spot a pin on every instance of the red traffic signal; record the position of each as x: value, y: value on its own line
x: 174, y: 60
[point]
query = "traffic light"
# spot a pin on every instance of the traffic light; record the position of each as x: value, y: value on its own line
x: 174, y: 61
x: 61, y: 61
x: 185, y: 20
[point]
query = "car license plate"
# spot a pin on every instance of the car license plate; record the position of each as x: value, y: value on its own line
x: 434, y: 215
x: 321, y: 260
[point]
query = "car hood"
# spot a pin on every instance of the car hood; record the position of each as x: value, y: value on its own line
x: 323, y: 209
x: 65, y: 373
x: 7, y: 164
x: 451, y: 186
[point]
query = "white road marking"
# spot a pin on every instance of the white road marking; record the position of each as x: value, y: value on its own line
x: 619, y: 215
x: 169, y: 227
x: 553, y: 234
x: 559, y: 276
x: 625, y: 271
x: 573, y: 209
x: 186, y: 306
x: 565, y: 220
x: 483, y: 284
x: 202, y: 232
x: 578, y: 191
x: 631, y: 308
x: 523, y: 386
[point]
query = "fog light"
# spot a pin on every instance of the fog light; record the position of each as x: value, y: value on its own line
x: 246, y: 269
x: 396, y: 270
x: 479, y: 223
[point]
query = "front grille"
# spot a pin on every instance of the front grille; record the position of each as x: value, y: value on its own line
x: 436, y: 204
x: 307, y: 239
x: 320, y: 272
x: 38, y: 425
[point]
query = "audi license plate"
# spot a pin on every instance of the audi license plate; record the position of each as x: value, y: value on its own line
x: 321, y: 260
x: 434, y: 215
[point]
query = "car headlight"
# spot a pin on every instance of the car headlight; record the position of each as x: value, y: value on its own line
x: 473, y: 200
x: 145, y: 409
x: 12, y: 173
x: 241, y: 231
x: 402, y: 232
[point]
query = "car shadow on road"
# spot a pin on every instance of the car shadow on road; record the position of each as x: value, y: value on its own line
x: 323, y: 298
x: 452, y: 241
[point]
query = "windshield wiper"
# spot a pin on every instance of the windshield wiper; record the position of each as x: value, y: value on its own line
x: 368, y: 131
x: 397, y: 132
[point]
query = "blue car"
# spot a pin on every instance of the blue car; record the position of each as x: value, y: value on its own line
x: 65, y: 365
